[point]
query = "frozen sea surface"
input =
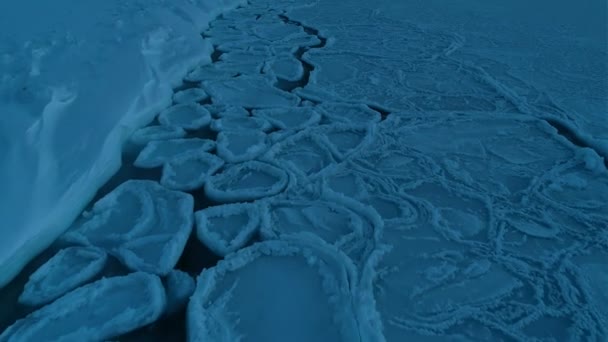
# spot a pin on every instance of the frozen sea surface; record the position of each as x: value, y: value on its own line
x: 380, y: 171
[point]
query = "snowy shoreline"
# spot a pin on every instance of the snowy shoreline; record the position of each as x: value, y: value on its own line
x: 54, y: 159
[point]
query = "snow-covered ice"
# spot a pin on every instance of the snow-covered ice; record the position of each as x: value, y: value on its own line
x: 68, y: 269
x: 141, y: 223
x: 293, y: 290
x: 190, y: 171
x: 238, y: 122
x: 229, y: 227
x: 249, y: 91
x: 219, y: 111
x: 95, y: 312
x: 241, y: 145
x: 192, y: 95
x: 246, y: 181
x: 190, y: 116
x: 151, y: 133
x: 289, y: 117
x: 158, y: 152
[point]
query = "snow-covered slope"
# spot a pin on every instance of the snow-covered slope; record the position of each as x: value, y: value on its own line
x: 76, y: 78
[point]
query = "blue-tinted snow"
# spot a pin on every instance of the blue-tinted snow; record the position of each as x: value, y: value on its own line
x: 145, y: 135
x: 95, y: 312
x: 179, y: 287
x: 190, y: 171
x: 241, y: 145
x: 140, y: 222
x: 77, y: 81
x: 68, y: 269
x: 450, y: 178
x: 158, y: 152
x: 192, y: 95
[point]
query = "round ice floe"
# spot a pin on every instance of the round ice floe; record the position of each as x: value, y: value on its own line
x: 68, y: 269
x: 254, y: 91
x: 246, y: 181
x: 227, y: 228
x: 209, y: 72
x: 143, y: 224
x: 95, y: 312
x: 289, y: 117
x: 237, y: 123
x: 348, y: 113
x: 191, y: 95
x: 158, y: 152
x: 151, y: 133
x: 240, y: 146
x: 347, y: 139
x: 220, y: 111
x: 299, y: 289
x: 187, y: 116
x: 190, y: 171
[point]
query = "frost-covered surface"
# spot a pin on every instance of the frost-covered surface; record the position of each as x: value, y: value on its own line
x: 68, y: 269
x: 140, y: 222
x: 76, y: 81
x: 95, y: 312
x: 416, y: 186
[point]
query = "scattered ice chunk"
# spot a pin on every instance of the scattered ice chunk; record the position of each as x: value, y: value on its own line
x: 277, y: 31
x: 289, y: 117
x: 293, y: 290
x: 531, y: 227
x: 187, y: 116
x: 306, y: 153
x: 347, y: 139
x: 328, y: 220
x: 209, y: 72
x: 190, y: 171
x: 151, y: 133
x: 242, y: 145
x: 179, y: 287
x: 220, y: 110
x: 287, y: 68
x: 95, y: 312
x: 236, y: 123
x: 158, y: 152
x: 249, y: 91
x: 143, y: 224
x: 246, y: 181
x: 191, y: 95
x: 349, y: 113
x: 65, y: 271
x: 227, y: 228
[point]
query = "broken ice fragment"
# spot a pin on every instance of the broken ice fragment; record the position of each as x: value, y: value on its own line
x: 95, y: 312
x: 249, y: 91
x: 287, y: 68
x: 187, y: 116
x: 295, y: 118
x: 179, y: 287
x: 191, y: 95
x: 143, y: 224
x: 158, y: 152
x: 349, y: 113
x: 347, y: 139
x: 246, y: 181
x: 65, y: 271
x: 220, y: 110
x: 240, y: 146
x: 227, y: 228
x: 151, y: 133
x: 190, y: 171
x: 293, y: 290
x: 236, y: 123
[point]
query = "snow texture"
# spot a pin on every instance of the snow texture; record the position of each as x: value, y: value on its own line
x: 158, y: 152
x: 68, y: 269
x: 95, y: 312
x: 141, y: 223
x: 190, y: 171
x: 246, y: 181
x: 227, y: 228
x: 190, y: 116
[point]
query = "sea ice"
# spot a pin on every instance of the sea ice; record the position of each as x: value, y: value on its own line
x: 190, y: 171
x: 242, y: 145
x: 95, y: 312
x: 140, y: 222
x: 179, y: 287
x: 287, y: 68
x: 219, y: 111
x: 227, y: 228
x: 347, y: 139
x: 192, y: 95
x: 158, y: 152
x: 151, y: 133
x: 65, y: 271
x: 236, y: 123
x: 190, y: 116
x: 292, y: 118
x: 246, y: 181
x: 209, y: 72
x: 299, y: 289
x: 348, y: 113
x: 250, y: 92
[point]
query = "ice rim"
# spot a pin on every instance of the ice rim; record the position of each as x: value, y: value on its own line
x: 50, y: 210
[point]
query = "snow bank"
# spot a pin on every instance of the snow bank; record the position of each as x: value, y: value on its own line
x: 76, y: 78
